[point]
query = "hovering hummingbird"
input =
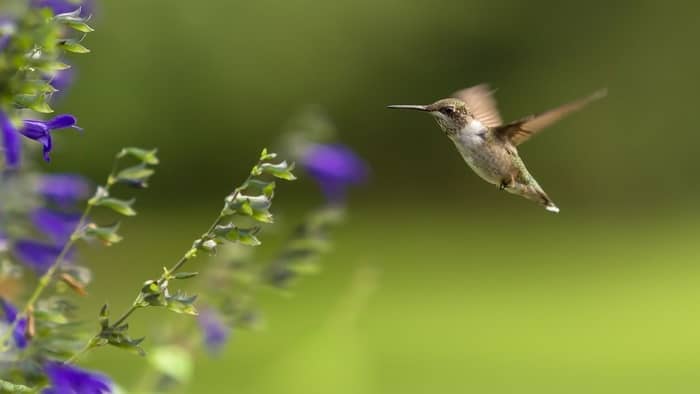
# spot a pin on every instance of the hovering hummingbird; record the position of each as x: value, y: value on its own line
x: 471, y: 120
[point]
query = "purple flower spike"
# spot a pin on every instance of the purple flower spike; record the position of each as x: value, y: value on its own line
x: 10, y: 141
x: 57, y: 225
x: 214, y: 330
x: 37, y: 255
x: 64, y: 189
x: 67, y: 379
x: 334, y: 167
x: 10, y: 316
x: 39, y: 130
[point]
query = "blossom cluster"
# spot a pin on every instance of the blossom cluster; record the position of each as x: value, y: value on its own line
x: 41, y: 218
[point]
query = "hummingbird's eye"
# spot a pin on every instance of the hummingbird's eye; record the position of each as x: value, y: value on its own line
x: 447, y: 110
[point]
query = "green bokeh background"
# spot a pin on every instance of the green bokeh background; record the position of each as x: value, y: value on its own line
x: 438, y: 282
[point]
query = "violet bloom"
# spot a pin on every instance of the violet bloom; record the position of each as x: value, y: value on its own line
x: 63, y: 6
x: 40, y: 130
x: 10, y: 315
x: 334, y: 167
x: 68, y: 379
x: 57, y: 225
x: 214, y: 330
x: 63, y: 189
x: 7, y: 30
x: 37, y: 255
x: 11, y: 144
x: 61, y: 81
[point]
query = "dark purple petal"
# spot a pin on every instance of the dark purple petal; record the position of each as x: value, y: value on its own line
x: 68, y: 379
x: 21, y: 327
x: 37, y: 255
x: 63, y: 6
x: 334, y: 167
x: 11, y: 143
x: 57, y: 225
x: 64, y: 189
x: 34, y: 129
x: 214, y: 330
x: 62, y: 121
x: 40, y: 130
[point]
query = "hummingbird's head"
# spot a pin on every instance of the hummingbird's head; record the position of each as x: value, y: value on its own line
x: 451, y: 114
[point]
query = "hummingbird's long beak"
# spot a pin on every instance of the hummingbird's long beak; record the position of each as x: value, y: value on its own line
x: 413, y: 107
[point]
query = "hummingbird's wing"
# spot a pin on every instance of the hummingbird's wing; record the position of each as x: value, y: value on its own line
x: 521, y: 130
x: 480, y: 101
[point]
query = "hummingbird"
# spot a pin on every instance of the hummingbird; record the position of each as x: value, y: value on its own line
x: 470, y: 118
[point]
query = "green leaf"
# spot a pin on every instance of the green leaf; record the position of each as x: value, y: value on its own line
x: 267, y: 188
x: 108, y: 234
x: 52, y: 66
x: 181, y: 303
x: 184, y: 275
x: 263, y: 216
x: 73, y: 46
x: 267, y: 156
x: 104, y: 317
x: 120, y: 206
x: 231, y: 232
x: 10, y: 387
x: 41, y: 106
x: 151, y: 294
x: 80, y: 26
x: 135, y: 174
x: 245, y: 208
x: 281, y: 170
x: 146, y: 156
x: 172, y: 361
x: 247, y: 237
x: 119, y: 339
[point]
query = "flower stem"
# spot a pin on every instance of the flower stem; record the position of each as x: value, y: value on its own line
x: 88, y: 346
x: 191, y: 253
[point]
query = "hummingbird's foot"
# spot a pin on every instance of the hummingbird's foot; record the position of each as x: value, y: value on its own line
x: 506, y: 183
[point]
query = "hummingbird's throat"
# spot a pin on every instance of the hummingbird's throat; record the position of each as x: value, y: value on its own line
x: 450, y: 126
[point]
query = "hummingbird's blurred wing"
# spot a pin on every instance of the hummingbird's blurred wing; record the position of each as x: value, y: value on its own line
x: 521, y: 130
x: 480, y: 101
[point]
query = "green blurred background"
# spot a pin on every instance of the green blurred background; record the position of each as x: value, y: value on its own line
x: 461, y: 288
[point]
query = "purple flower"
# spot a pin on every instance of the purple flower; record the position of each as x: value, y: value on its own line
x: 334, y: 167
x: 67, y: 379
x: 61, y: 81
x: 7, y: 30
x: 64, y: 189
x: 21, y: 327
x: 10, y: 141
x: 214, y: 330
x: 63, y: 6
x: 40, y: 130
x: 57, y: 225
x: 37, y: 255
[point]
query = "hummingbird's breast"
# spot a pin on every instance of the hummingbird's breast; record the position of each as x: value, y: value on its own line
x: 486, y: 156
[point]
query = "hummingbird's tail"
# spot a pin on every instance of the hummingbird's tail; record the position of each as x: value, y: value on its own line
x: 533, y: 192
x: 551, y: 207
x: 546, y: 201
